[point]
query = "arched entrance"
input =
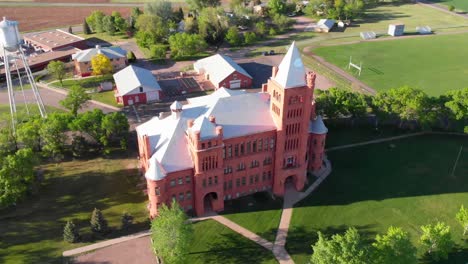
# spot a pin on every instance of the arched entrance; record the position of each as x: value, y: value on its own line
x: 208, y: 201
x: 290, y: 183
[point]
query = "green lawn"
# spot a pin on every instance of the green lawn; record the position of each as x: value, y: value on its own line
x: 404, y: 183
x: 458, y: 4
x: 433, y: 64
x: 258, y: 213
x: 339, y: 135
x: 91, y: 84
x: 21, y: 112
x: 215, y: 243
x: 32, y: 233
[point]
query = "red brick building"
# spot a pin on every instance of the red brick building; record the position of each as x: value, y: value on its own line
x: 233, y: 143
x: 222, y: 71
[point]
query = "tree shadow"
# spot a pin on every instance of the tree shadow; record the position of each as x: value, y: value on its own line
x: 40, y: 219
x: 233, y: 248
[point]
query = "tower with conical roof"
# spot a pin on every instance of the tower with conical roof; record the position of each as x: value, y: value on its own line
x: 291, y: 104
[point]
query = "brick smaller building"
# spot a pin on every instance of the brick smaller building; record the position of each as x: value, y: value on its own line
x: 135, y: 85
x: 82, y: 59
x: 53, y: 40
x: 222, y: 71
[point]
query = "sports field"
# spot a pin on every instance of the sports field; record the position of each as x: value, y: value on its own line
x: 405, y: 183
x: 458, y: 4
x: 435, y: 64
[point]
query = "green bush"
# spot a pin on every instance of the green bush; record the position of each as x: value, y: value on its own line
x: 131, y: 56
x: 158, y: 52
x: 98, y: 222
x: 249, y: 38
x: 272, y: 31
x: 451, y: 8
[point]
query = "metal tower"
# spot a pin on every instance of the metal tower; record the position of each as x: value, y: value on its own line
x: 10, y: 46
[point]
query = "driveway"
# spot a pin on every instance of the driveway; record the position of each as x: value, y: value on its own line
x: 136, y: 251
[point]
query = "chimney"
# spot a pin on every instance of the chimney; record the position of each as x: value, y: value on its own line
x: 311, y: 79
x: 212, y: 119
x: 98, y: 46
x: 176, y: 109
x: 274, y: 71
x: 264, y: 87
x: 190, y: 123
x: 219, y: 131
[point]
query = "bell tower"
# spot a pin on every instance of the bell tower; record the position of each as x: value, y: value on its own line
x: 291, y: 93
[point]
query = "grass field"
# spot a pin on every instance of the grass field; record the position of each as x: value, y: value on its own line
x: 375, y: 186
x: 32, y: 233
x: 21, y: 111
x: 91, y: 84
x: 458, y: 4
x: 258, y: 213
x: 215, y: 243
x: 429, y: 63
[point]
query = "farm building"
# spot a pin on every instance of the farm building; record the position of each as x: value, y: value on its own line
x: 396, y: 29
x: 323, y: 25
x: 117, y: 56
x: 222, y: 71
x: 234, y: 143
x: 135, y: 85
x: 53, y: 40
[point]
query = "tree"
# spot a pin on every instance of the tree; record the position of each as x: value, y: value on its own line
x: 160, y: 8
x: 86, y: 29
x: 75, y: 99
x: 171, y: 234
x: 120, y: 23
x: 261, y: 28
x: 51, y: 132
x: 272, y: 31
x: 283, y: 22
x: 131, y: 56
x: 57, y: 69
x: 406, y: 103
x: 394, y: 247
x: 28, y: 133
x: 151, y: 30
x: 179, y: 15
x: 108, y: 25
x: 276, y: 7
x: 451, y: 8
x: 79, y: 146
x: 115, y: 126
x: 457, y: 103
x: 183, y: 44
x: 70, y: 29
x: 101, y: 64
x: 190, y: 25
x: 90, y: 122
x: 197, y: 5
x: 212, y: 25
x: 158, y: 52
x: 249, y: 38
x: 340, y: 249
x: 95, y: 21
x: 70, y: 233
x: 98, y: 222
x: 462, y: 218
x: 16, y: 176
x: 233, y: 37
x: 126, y: 221
x: 437, y: 240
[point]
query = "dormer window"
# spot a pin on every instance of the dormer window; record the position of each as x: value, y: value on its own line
x: 141, y: 89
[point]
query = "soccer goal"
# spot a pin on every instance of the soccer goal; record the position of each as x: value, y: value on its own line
x: 357, y: 67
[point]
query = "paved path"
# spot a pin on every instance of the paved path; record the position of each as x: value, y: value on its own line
x: 375, y: 141
x: 103, y: 244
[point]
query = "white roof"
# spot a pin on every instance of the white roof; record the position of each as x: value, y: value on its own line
x: 239, y: 115
x: 219, y: 67
x: 220, y: 93
x: 291, y: 72
x: 128, y: 80
x: 206, y: 128
x: 109, y: 52
x: 326, y: 23
x: 317, y: 126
